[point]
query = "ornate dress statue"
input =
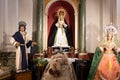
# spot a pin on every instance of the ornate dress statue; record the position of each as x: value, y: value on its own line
x: 106, y: 60
x: 60, y: 34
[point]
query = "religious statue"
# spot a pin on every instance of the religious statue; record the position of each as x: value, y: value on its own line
x: 60, y: 34
x: 106, y: 60
x: 21, y: 41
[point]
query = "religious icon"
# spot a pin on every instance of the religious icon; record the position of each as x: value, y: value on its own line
x: 106, y: 60
x: 60, y: 34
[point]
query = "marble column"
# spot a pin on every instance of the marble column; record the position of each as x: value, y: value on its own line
x: 82, y: 26
x: 40, y: 25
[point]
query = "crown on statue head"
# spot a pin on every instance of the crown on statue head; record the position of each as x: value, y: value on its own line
x: 111, y: 29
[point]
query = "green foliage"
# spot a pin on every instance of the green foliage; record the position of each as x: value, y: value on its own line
x: 41, y: 62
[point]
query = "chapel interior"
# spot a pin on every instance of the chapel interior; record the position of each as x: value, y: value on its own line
x: 85, y: 18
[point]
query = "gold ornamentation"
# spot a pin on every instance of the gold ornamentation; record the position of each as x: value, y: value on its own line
x: 61, y: 12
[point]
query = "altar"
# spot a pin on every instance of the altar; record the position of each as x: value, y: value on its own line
x: 81, y: 66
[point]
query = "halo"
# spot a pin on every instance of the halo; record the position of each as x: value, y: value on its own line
x: 61, y: 10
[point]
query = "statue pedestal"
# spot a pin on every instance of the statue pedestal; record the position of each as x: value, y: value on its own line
x: 69, y: 51
x: 60, y: 49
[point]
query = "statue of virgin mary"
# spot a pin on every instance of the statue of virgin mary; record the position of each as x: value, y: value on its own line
x: 106, y: 61
x: 60, y: 34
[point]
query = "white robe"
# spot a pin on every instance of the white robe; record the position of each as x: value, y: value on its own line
x: 60, y: 38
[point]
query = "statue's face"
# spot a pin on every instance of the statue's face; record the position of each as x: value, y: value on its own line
x: 61, y: 13
x: 109, y: 37
x: 22, y: 28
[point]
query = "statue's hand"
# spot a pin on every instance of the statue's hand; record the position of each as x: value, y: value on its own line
x: 17, y: 44
x: 64, y: 24
x: 101, y: 49
x: 117, y: 49
x: 34, y: 43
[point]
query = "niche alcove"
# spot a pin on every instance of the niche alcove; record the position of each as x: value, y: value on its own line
x: 70, y: 17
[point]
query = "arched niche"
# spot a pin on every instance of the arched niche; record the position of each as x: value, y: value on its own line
x: 70, y: 19
x: 50, y: 16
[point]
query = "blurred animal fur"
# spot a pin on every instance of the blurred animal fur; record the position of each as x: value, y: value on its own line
x: 58, y: 69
